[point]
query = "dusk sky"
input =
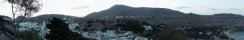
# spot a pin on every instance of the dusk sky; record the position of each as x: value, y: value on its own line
x: 83, y: 7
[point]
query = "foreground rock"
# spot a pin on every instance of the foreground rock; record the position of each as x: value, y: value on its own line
x: 6, y: 29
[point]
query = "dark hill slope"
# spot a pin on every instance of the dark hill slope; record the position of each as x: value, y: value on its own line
x: 122, y: 10
x: 157, y: 16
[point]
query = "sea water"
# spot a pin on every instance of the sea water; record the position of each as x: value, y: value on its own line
x: 238, y: 35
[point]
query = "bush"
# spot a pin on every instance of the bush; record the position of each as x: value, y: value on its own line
x: 207, y: 32
x: 30, y: 35
x: 169, y: 34
x: 130, y: 25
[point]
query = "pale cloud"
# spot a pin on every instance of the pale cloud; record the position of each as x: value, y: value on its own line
x: 233, y: 9
x: 5, y: 9
x: 80, y: 7
x: 183, y: 7
x: 215, y: 9
x: 224, y: 9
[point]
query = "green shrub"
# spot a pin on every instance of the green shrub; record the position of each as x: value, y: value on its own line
x: 130, y: 25
x: 30, y: 35
x: 168, y: 34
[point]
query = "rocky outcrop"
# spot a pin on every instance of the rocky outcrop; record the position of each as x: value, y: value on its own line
x: 7, y: 31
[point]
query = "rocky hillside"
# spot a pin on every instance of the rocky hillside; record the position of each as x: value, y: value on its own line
x: 7, y: 31
x: 157, y: 16
x: 122, y: 10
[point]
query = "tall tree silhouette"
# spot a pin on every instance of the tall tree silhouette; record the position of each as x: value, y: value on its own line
x: 23, y: 8
x: 59, y: 31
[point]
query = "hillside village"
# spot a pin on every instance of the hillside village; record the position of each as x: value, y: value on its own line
x: 122, y: 22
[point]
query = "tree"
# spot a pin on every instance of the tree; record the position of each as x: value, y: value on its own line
x: 24, y: 7
x: 33, y: 34
x: 59, y: 31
